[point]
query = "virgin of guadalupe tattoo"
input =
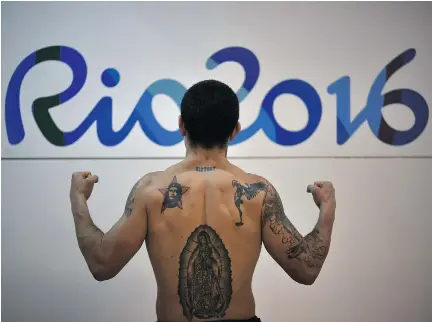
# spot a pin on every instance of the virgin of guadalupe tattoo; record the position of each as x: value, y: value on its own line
x: 249, y: 191
x: 173, y: 195
x: 205, y: 281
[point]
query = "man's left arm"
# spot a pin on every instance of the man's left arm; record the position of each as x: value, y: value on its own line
x: 107, y: 253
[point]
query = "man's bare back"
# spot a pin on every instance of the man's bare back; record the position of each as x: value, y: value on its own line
x: 204, y: 240
x: 204, y: 221
x: 203, y: 225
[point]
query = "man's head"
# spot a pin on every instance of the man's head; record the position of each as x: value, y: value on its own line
x: 209, y: 115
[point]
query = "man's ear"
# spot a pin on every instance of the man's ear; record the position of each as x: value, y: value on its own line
x: 181, y: 126
x: 236, y: 131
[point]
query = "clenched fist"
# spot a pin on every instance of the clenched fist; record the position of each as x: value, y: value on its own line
x: 82, y: 184
x: 323, y: 194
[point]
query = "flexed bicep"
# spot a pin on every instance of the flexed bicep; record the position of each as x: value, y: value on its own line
x: 301, y: 257
x: 276, y: 224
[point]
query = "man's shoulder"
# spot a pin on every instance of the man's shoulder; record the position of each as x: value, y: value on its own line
x: 145, y: 185
x: 150, y: 178
x: 157, y: 179
x: 244, y: 176
x: 252, y: 177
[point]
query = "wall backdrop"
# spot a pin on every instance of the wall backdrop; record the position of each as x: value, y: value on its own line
x: 329, y: 91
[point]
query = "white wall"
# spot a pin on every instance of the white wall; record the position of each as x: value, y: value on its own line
x: 379, y: 266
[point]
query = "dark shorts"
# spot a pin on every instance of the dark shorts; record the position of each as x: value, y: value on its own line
x: 254, y: 319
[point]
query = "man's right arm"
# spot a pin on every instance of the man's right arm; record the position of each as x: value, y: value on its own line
x: 301, y: 257
x: 107, y: 253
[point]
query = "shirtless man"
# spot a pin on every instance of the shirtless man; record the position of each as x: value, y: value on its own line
x: 204, y: 221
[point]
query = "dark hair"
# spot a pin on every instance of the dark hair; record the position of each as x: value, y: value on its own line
x: 210, y: 112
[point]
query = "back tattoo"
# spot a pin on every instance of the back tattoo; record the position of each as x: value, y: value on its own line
x: 205, y: 281
x: 173, y: 195
x: 250, y: 191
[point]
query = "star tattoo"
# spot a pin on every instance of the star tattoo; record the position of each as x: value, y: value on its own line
x: 173, y: 195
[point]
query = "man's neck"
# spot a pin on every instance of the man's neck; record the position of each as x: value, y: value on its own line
x: 206, y: 156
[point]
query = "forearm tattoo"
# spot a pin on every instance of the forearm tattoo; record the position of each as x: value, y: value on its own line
x: 311, y: 249
x: 315, y: 252
x: 87, y: 238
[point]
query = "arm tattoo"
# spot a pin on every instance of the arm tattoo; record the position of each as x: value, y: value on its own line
x: 273, y: 213
x: 90, y: 235
x: 312, y: 250
x: 130, y: 200
x: 205, y: 278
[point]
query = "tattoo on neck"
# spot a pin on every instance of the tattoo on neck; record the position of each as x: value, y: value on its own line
x: 205, y: 169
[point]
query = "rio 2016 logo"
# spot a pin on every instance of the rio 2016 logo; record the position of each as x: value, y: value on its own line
x: 143, y: 114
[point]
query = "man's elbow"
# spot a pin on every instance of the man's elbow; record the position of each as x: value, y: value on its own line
x: 307, y: 279
x: 101, y: 265
x: 306, y: 276
x: 100, y: 276
x: 103, y: 272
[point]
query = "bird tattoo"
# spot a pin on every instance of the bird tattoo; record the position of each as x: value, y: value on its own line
x: 249, y: 191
